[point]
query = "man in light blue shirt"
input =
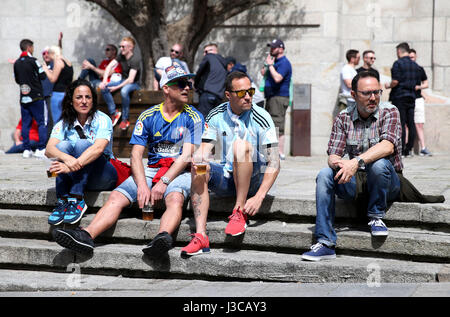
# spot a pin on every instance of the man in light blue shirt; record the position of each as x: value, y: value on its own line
x: 244, y: 136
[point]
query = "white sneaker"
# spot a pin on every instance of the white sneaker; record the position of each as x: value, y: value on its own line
x: 40, y: 153
x: 27, y: 154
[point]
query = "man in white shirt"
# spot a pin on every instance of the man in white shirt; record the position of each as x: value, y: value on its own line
x: 347, y: 74
x: 176, y: 53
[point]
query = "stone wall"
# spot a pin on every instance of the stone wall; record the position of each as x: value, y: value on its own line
x: 317, y: 54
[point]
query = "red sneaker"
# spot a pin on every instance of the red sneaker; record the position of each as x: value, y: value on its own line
x: 198, y: 245
x: 124, y: 124
x: 237, y: 223
x: 115, y: 118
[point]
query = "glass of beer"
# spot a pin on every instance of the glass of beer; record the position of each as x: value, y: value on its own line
x: 200, y: 163
x: 147, y: 212
x: 48, y: 164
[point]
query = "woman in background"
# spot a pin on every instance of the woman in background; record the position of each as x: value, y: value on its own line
x: 61, y: 76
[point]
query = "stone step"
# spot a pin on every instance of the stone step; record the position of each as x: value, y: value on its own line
x: 272, y: 207
x: 220, y: 264
x: 405, y: 243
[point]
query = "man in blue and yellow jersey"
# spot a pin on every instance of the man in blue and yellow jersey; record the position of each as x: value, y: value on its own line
x: 171, y: 131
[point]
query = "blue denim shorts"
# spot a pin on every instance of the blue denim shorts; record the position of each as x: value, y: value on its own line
x: 181, y: 184
x: 222, y: 183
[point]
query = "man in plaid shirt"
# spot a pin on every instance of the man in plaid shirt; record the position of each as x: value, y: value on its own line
x: 370, y: 133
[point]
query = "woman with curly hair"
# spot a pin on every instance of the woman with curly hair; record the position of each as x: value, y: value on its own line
x: 81, y: 143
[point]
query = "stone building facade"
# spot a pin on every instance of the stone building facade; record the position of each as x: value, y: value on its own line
x: 317, y: 33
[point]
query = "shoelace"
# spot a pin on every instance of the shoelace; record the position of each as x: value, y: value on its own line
x: 376, y: 223
x: 195, y: 240
x: 316, y: 247
x: 236, y: 215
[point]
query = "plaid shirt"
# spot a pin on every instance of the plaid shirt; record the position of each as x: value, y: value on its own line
x: 353, y: 135
x: 408, y: 74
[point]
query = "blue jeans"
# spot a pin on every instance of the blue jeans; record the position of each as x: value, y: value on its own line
x: 180, y: 184
x: 383, y: 185
x: 124, y: 92
x: 20, y: 148
x: 29, y: 111
x: 56, y: 105
x: 93, y: 76
x: 96, y: 176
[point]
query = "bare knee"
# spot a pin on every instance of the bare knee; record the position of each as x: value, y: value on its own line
x: 174, y: 200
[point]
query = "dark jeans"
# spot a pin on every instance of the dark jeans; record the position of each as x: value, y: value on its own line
x: 29, y: 111
x: 406, y: 107
x: 20, y: 148
x: 207, y: 102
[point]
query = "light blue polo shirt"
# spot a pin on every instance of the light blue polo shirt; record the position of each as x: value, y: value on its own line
x: 255, y: 126
x: 99, y: 127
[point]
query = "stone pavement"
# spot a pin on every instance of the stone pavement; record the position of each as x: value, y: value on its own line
x: 47, y: 284
x: 431, y: 175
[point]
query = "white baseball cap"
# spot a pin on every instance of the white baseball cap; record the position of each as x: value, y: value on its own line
x: 172, y: 73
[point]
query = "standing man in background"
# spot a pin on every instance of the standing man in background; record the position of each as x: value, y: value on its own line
x: 210, y: 79
x: 347, y: 74
x: 28, y: 74
x: 276, y: 90
x: 405, y: 76
x: 368, y: 61
x: 419, y: 110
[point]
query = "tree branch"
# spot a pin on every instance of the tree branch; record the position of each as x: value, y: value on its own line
x: 122, y: 15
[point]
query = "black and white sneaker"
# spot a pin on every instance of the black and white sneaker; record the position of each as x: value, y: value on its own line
x: 77, y: 240
x: 159, y: 246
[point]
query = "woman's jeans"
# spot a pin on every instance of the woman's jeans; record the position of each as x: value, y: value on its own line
x: 56, y: 105
x: 383, y: 185
x: 96, y: 176
x: 125, y: 92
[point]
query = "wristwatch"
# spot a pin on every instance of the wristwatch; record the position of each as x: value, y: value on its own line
x: 165, y: 180
x: 361, y: 163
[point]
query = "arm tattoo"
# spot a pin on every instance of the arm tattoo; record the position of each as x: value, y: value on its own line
x: 273, y: 157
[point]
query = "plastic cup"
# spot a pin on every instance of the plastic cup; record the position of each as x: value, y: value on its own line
x: 48, y: 163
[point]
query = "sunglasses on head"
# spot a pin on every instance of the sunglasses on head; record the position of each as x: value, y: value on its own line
x: 181, y: 83
x: 242, y: 93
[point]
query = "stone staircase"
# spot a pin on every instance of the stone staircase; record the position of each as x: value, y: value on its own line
x: 417, y: 249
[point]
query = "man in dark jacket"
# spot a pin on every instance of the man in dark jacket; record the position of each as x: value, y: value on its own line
x: 28, y: 74
x: 405, y: 76
x: 210, y: 79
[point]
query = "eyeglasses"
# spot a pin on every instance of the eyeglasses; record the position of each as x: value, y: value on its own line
x: 369, y: 93
x: 242, y: 93
x: 173, y: 51
x: 181, y: 84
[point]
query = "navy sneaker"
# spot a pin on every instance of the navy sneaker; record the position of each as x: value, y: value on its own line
x: 75, y: 210
x: 378, y: 228
x: 159, y: 246
x: 425, y: 152
x: 319, y: 252
x: 57, y: 215
x: 77, y: 240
